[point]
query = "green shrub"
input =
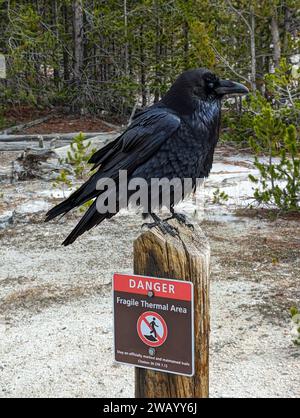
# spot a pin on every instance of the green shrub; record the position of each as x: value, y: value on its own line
x: 295, y: 316
x: 275, y: 136
x: 281, y: 97
x: 237, y: 126
x: 77, y: 157
x: 3, y: 121
x: 220, y: 197
x: 279, y: 181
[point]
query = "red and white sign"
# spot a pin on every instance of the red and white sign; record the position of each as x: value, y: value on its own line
x: 164, y: 288
x: 152, y: 329
x: 154, y: 323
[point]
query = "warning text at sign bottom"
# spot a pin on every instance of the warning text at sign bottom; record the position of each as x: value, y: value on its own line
x: 149, y: 361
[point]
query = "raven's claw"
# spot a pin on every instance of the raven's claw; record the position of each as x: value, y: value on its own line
x: 181, y: 218
x: 163, y: 226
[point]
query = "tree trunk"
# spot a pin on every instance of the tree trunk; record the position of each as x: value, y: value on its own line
x: 253, y: 50
x: 65, y: 50
x: 185, y: 31
x: 78, y: 39
x: 55, y: 30
x: 287, y: 28
x: 142, y: 67
x: 157, y: 53
x: 126, y: 59
x: 275, y: 40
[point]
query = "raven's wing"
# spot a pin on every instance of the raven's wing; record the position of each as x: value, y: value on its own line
x: 137, y: 144
x: 137, y: 129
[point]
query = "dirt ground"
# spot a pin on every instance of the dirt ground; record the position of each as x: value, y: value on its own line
x: 56, y: 308
x: 21, y: 114
x: 66, y: 124
x: 58, y: 123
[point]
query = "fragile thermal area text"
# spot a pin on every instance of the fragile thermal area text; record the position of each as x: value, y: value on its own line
x: 149, y: 305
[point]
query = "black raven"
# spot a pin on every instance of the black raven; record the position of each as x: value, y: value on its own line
x: 175, y: 137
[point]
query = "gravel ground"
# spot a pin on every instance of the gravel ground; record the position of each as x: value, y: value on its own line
x: 56, y: 308
x: 56, y: 315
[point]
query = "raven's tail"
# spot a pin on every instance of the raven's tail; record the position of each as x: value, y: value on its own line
x: 88, y: 190
x: 61, y: 209
x: 85, y: 193
x: 90, y: 219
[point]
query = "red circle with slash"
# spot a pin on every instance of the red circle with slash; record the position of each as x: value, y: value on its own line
x: 152, y: 329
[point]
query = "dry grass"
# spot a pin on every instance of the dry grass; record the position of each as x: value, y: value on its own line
x: 268, y: 214
x: 36, y: 298
x: 262, y: 252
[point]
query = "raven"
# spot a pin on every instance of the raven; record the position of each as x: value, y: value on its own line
x: 175, y: 137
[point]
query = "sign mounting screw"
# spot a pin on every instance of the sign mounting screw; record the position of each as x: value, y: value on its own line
x: 151, y: 351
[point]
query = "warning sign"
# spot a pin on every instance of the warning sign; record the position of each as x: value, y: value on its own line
x: 153, y: 323
x: 152, y: 329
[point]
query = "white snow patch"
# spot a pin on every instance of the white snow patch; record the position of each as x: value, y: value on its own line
x: 33, y: 207
x: 57, y: 193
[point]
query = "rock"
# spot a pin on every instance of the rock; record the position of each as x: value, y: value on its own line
x: 6, y: 219
x: 37, y: 163
x: 24, y: 211
x: 5, y: 174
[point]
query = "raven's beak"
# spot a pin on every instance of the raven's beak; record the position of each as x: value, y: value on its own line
x: 231, y: 87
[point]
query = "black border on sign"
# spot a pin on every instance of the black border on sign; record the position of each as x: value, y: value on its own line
x: 192, y: 325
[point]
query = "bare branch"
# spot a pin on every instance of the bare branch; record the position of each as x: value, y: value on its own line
x: 224, y: 60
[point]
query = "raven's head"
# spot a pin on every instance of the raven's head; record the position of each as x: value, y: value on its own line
x: 201, y: 84
x: 205, y: 85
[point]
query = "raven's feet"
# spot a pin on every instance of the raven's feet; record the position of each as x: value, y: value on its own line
x: 181, y: 218
x: 162, y: 225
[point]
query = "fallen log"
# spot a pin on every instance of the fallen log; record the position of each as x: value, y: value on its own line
x: 34, y: 163
x: 22, y: 146
x: 26, y: 125
x: 21, y: 142
x: 98, y: 142
x: 39, y: 162
x: 5, y: 173
x: 47, y: 137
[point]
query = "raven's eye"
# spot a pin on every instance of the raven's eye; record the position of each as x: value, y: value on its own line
x: 211, y: 85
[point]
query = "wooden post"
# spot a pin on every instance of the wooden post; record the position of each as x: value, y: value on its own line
x: 185, y: 258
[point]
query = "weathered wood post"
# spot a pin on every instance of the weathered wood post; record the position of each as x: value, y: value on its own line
x: 185, y: 258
